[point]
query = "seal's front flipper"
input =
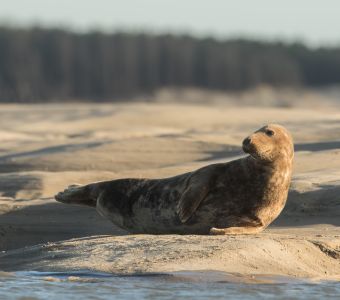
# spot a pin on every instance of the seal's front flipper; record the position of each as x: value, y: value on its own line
x: 197, y: 189
x: 77, y: 194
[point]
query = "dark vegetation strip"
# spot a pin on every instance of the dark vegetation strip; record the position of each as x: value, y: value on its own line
x: 52, y: 64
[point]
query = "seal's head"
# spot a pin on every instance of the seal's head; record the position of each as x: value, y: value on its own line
x: 270, y: 143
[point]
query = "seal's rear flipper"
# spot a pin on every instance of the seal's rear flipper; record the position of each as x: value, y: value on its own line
x: 77, y: 194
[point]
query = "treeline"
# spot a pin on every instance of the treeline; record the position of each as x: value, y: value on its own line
x: 48, y: 64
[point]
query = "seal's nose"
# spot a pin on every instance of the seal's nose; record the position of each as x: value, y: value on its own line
x: 246, y: 141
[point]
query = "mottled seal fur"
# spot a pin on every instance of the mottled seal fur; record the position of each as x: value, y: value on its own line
x: 239, y: 197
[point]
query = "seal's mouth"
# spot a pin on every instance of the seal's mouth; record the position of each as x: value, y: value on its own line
x: 251, y: 151
x: 258, y: 153
x: 245, y: 149
x: 249, y: 147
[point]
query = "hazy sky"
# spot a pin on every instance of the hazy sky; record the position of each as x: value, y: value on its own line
x: 314, y: 21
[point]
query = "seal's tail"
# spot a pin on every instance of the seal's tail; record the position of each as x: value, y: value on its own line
x: 78, y: 194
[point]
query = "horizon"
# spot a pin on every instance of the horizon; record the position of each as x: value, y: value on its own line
x: 261, y: 40
x: 312, y: 24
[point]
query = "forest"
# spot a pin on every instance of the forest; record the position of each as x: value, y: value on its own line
x: 41, y: 65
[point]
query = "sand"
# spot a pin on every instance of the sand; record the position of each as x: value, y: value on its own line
x: 44, y: 148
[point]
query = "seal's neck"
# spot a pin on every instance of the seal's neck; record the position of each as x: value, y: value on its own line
x: 278, y: 171
x: 277, y: 177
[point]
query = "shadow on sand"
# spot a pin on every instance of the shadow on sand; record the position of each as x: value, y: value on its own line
x: 51, y: 222
x: 51, y: 150
x: 11, y: 184
x: 320, y: 146
x: 320, y: 206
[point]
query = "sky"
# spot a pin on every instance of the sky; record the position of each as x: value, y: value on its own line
x: 314, y: 22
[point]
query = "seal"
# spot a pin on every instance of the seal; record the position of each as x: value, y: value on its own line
x: 242, y: 196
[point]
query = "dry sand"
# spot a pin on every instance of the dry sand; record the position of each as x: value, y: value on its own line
x: 47, y: 147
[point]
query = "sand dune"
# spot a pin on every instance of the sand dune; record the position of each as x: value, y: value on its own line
x: 44, y: 148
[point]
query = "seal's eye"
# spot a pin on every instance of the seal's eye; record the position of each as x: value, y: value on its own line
x: 269, y: 132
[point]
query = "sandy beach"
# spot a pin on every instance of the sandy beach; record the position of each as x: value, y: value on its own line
x: 45, y: 148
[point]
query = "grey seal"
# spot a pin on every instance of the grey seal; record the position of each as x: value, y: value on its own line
x: 242, y: 196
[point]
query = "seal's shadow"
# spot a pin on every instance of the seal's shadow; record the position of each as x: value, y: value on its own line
x: 51, y: 222
x: 320, y: 206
